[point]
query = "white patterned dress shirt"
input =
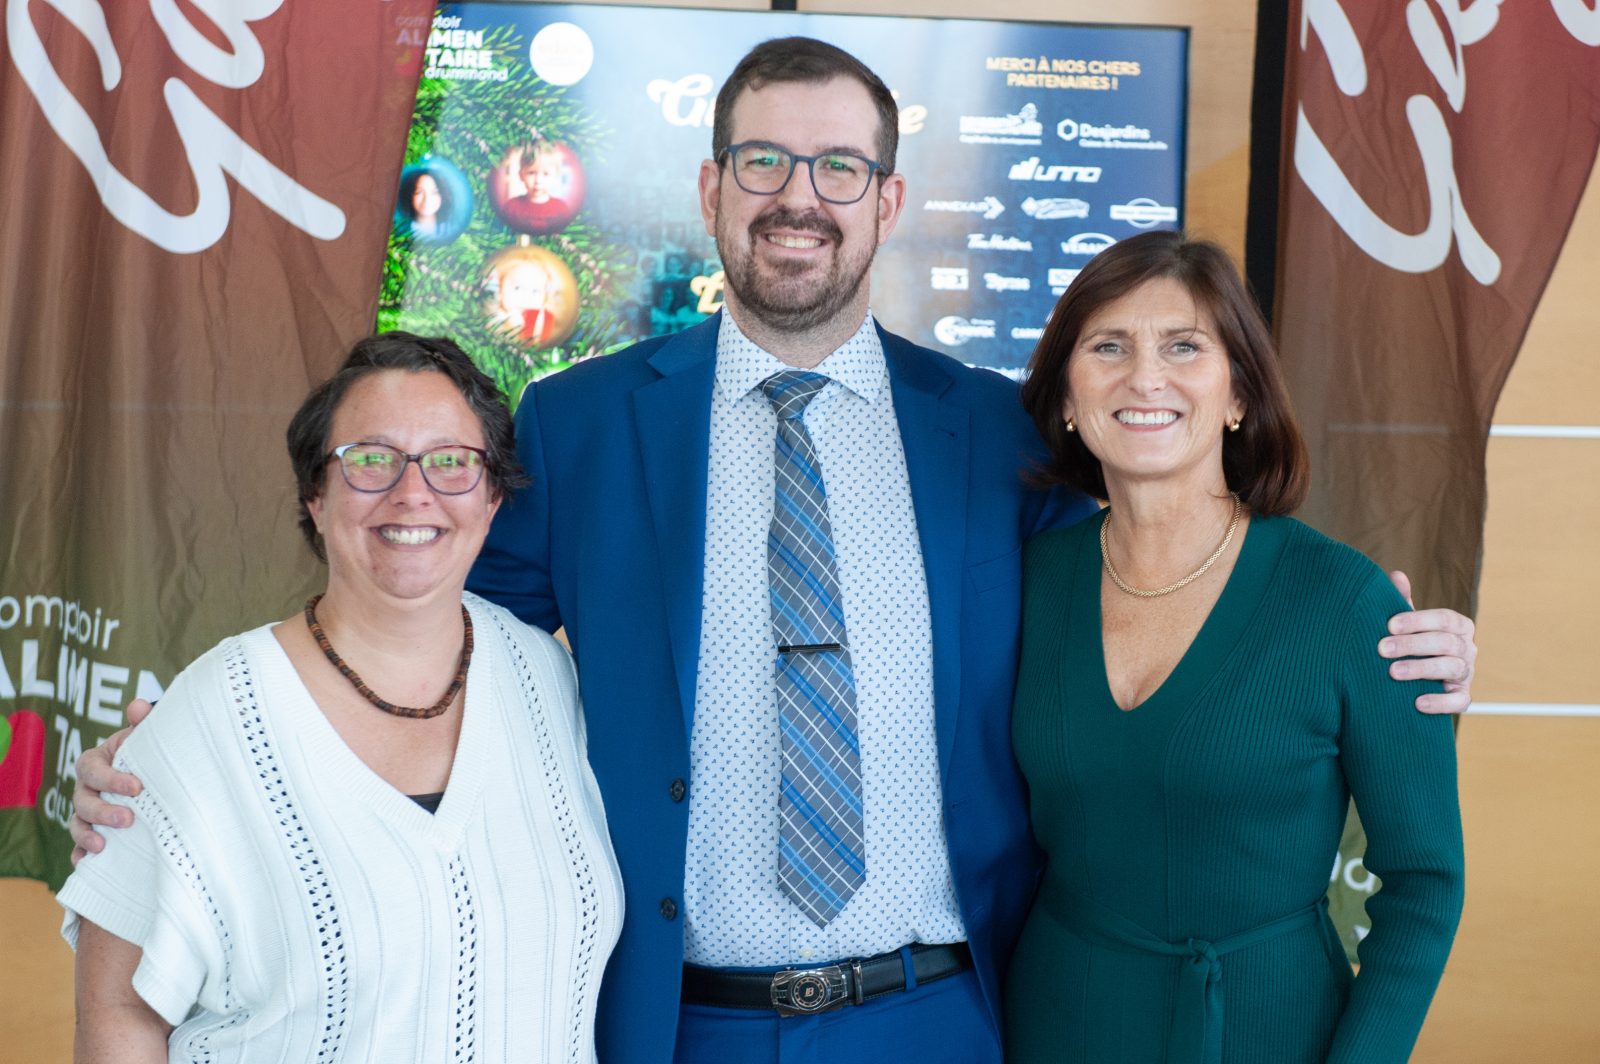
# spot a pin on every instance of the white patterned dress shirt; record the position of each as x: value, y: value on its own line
x: 736, y: 914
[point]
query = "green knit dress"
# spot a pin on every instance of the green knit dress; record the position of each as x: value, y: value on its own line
x: 1190, y: 840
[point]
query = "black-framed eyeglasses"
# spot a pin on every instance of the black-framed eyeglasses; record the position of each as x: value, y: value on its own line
x: 764, y: 169
x: 453, y: 469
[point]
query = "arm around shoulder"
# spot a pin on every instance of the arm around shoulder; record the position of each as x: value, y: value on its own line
x: 96, y: 776
x: 1436, y: 644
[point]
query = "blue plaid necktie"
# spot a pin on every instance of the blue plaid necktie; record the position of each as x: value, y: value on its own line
x: 821, y: 846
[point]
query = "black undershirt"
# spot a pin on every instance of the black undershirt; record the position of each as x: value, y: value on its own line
x: 429, y: 802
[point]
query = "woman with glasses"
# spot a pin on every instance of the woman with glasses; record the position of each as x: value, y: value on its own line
x: 368, y: 831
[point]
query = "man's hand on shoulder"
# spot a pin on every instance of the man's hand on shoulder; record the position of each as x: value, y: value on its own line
x: 1436, y: 645
x: 96, y: 777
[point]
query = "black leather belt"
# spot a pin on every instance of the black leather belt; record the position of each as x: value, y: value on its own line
x: 803, y: 991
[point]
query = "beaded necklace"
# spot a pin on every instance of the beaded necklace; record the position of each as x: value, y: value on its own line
x: 424, y: 713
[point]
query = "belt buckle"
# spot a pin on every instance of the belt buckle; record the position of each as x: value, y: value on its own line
x: 806, y: 991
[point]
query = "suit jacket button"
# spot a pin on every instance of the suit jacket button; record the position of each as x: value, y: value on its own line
x: 677, y: 789
x: 669, y: 909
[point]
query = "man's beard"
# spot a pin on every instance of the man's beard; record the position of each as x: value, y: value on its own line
x: 792, y: 302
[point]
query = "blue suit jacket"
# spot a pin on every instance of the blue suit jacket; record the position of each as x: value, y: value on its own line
x: 610, y: 542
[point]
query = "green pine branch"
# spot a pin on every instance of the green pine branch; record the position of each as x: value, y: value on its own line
x: 436, y: 289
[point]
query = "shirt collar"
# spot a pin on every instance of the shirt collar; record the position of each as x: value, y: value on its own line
x: 858, y: 363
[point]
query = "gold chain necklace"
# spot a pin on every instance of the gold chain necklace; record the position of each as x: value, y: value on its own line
x: 1137, y: 592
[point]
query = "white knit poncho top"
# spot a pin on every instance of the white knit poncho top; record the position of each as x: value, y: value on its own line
x: 292, y: 906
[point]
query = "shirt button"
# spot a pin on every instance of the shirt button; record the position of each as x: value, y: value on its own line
x: 669, y: 909
x: 677, y: 789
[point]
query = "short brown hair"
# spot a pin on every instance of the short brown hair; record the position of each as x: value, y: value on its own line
x: 1264, y: 462
x: 308, y: 429
x: 805, y: 59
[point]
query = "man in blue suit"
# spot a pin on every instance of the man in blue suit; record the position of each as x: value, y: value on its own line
x: 646, y: 535
x: 650, y: 535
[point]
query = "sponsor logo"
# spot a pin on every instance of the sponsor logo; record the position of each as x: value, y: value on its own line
x: 1086, y: 244
x: 1087, y: 136
x: 1027, y: 332
x: 1143, y: 212
x: 1031, y: 169
x: 1050, y: 209
x: 561, y: 54
x: 989, y: 207
x: 1023, y: 127
x: 949, y: 278
x: 1060, y: 277
x: 999, y: 282
x: 953, y: 331
x: 993, y: 242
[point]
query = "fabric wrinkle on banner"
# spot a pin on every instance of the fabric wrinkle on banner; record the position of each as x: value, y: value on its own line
x: 1429, y: 183
x: 194, y: 236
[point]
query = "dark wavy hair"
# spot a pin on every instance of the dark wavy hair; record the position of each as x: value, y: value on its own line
x: 408, y: 186
x: 805, y: 59
x: 309, y: 428
x: 1265, y: 462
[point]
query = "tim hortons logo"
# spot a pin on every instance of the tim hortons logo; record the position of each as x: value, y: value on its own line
x: 997, y: 242
x: 214, y: 150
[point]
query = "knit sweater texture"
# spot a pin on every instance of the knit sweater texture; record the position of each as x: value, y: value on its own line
x: 1215, y: 807
x: 289, y: 904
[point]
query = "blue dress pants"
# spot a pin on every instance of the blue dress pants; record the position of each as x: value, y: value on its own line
x: 943, y: 1022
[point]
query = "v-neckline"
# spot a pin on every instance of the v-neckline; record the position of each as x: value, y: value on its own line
x: 1221, y: 630
x: 328, y: 753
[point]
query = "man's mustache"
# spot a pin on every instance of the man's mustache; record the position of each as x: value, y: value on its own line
x: 795, y: 221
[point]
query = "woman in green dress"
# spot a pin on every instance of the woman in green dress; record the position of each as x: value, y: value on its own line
x: 1199, y: 701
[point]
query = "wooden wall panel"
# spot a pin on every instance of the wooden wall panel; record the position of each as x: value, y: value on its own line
x: 1521, y: 982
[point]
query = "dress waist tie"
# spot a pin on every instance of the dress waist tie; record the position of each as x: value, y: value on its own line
x: 1195, y: 1036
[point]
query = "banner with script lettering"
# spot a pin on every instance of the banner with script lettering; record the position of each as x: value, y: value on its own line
x: 1433, y: 160
x: 196, y: 203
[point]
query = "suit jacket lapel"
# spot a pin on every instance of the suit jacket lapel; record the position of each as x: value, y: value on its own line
x: 672, y: 416
x: 935, y: 435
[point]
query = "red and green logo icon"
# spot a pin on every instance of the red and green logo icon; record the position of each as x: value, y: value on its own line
x: 21, y: 759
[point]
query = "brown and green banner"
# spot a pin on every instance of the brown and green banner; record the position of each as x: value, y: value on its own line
x: 197, y: 198
x: 1434, y: 154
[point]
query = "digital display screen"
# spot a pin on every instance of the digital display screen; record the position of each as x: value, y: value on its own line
x: 548, y: 207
